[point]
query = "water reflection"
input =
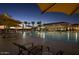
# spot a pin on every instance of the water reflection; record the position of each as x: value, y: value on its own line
x: 76, y: 37
x: 41, y: 34
x: 65, y: 36
x: 68, y: 35
x: 24, y: 34
x: 49, y: 36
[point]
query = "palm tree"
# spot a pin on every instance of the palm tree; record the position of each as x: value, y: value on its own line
x: 28, y: 23
x: 39, y: 24
x: 25, y: 22
x: 33, y: 23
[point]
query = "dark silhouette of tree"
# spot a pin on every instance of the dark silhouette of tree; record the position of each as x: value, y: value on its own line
x: 25, y: 22
x: 28, y: 23
x: 33, y: 23
x: 39, y: 24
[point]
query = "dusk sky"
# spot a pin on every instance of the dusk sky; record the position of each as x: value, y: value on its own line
x: 31, y: 12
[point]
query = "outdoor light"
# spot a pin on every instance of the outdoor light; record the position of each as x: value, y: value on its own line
x: 12, y: 27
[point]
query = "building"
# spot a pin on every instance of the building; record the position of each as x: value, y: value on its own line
x: 61, y: 26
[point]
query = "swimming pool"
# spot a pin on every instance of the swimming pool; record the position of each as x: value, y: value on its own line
x: 72, y: 37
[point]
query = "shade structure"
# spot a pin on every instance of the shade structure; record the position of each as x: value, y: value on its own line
x: 5, y: 19
x: 68, y: 8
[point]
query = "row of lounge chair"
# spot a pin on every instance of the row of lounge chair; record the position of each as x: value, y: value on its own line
x: 34, y: 50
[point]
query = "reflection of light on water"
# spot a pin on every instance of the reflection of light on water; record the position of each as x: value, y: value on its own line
x: 41, y: 34
x: 76, y: 36
x: 68, y: 35
x: 24, y: 34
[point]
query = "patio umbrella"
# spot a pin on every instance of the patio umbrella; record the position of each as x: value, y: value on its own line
x: 7, y: 20
x: 68, y: 8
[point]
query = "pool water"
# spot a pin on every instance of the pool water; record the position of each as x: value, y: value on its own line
x: 71, y: 37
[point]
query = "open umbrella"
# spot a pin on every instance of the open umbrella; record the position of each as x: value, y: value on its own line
x: 7, y: 20
x: 68, y: 8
